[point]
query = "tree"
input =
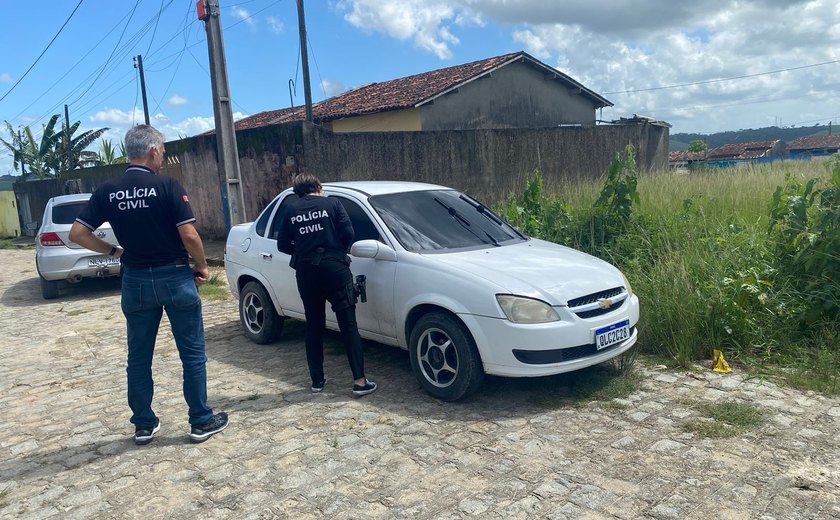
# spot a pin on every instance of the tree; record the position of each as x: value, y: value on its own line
x: 697, y: 146
x: 108, y: 153
x: 49, y: 157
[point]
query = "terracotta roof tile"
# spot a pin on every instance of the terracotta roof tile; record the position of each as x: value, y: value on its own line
x: 685, y: 155
x: 816, y: 142
x: 403, y: 93
x: 741, y: 151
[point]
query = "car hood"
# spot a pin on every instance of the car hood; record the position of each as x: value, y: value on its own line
x: 537, y: 269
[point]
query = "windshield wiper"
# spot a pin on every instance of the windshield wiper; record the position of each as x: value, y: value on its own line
x: 464, y: 222
x: 490, y: 216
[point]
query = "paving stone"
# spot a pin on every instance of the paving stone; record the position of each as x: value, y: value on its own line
x: 67, y: 449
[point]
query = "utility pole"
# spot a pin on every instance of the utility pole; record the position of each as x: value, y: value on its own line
x: 139, y: 66
x: 22, y: 159
x: 307, y: 92
x: 233, y: 202
x: 67, y: 137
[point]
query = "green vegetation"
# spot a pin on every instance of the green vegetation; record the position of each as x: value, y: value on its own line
x: 215, y: 288
x: 679, y: 141
x: 742, y: 260
x: 602, y: 383
x: 53, y: 154
x: 726, y: 419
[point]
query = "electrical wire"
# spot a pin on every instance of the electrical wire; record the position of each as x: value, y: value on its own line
x: 43, y: 52
x: 706, y: 82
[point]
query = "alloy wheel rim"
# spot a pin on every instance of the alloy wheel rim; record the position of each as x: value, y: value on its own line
x: 437, y: 357
x: 253, y: 313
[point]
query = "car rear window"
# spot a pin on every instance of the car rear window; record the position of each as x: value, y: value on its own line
x: 441, y: 220
x: 67, y: 213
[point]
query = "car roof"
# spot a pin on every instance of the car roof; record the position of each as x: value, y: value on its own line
x: 372, y: 188
x: 76, y: 197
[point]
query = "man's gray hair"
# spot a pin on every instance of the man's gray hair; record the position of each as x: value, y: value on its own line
x: 140, y: 139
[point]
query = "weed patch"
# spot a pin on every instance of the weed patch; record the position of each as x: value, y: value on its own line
x: 725, y: 419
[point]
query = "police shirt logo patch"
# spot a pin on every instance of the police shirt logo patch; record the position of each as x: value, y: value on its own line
x: 186, y: 199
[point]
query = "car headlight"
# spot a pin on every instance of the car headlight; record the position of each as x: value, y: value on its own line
x: 627, y: 285
x: 519, y: 309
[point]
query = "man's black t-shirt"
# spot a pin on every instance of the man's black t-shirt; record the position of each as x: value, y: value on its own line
x: 145, y: 210
x: 314, y: 222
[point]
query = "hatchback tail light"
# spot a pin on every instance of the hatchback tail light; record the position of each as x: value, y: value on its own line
x: 51, y: 239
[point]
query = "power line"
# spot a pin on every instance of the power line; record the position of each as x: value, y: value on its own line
x: 157, y: 20
x: 42, y: 52
x: 706, y: 82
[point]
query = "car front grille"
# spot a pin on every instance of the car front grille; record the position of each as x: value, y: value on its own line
x: 588, y: 306
x: 559, y: 355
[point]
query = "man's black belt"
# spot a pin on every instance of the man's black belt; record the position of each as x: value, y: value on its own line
x: 178, y: 263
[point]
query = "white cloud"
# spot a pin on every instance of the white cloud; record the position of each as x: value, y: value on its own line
x: 5, y: 77
x: 275, y: 24
x: 177, y: 101
x: 332, y: 88
x: 425, y: 22
x: 242, y: 14
x: 615, y: 46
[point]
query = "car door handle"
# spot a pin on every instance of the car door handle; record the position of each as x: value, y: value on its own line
x: 266, y: 256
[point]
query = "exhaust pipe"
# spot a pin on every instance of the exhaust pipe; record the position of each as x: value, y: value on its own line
x: 76, y: 278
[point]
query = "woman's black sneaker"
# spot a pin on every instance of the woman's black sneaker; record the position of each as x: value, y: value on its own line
x: 368, y: 388
x: 202, y: 432
x: 144, y: 435
x: 319, y: 387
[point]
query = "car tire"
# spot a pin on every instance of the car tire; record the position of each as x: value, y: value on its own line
x: 444, y: 357
x: 257, y: 316
x: 49, y: 288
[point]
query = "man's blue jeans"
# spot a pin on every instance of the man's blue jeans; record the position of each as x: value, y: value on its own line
x: 146, y: 293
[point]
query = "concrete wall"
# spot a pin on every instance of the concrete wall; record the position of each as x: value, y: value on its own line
x: 394, y: 121
x: 515, y: 96
x: 9, y: 222
x: 489, y: 164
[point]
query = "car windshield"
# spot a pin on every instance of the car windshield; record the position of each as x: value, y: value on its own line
x: 441, y: 220
x: 67, y: 213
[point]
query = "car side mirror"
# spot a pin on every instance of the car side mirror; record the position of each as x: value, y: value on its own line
x: 373, y: 249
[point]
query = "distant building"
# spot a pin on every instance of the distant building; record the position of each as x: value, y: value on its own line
x: 685, y: 159
x: 511, y: 91
x: 757, y: 152
x: 814, y: 146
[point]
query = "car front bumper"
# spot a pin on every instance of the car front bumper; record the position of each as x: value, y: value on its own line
x: 502, y: 343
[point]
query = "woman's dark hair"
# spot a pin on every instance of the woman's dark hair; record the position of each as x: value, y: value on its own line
x: 305, y: 183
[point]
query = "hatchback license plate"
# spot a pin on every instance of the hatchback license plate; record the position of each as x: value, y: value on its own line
x: 615, y: 333
x: 100, y: 261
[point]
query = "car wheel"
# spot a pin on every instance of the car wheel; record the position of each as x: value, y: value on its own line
x: 259, y: 320
x: 49, y: 288
x: 444, y: 357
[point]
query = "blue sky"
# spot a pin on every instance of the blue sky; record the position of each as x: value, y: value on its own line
x: 788, y: 51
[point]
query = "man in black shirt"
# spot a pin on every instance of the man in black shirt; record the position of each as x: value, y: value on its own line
x: 317, y: 231
x: 152, y: 219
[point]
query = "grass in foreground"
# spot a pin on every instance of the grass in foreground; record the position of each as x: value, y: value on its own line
x: 602, y: 383
x: 726, y: 419
x: 216, y: 287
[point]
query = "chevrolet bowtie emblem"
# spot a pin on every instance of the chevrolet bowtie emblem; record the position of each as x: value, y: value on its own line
x: 605, y: 303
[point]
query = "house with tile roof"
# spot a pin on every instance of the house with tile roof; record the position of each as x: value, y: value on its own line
x: 814, y: 146
x: 740, y: 154
x: 510, y: 91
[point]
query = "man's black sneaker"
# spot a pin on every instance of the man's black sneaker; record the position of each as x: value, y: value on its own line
x: 144, y: 435
x: 319, y: 387
x: 368, y: 388
x: 202, y: 432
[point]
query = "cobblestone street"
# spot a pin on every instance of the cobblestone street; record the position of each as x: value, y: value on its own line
x: 511, y: 451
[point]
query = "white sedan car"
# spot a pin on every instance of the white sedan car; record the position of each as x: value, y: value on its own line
x: 465, y: 293
x: 57, y: 259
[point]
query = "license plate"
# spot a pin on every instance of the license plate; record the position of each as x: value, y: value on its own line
x: 100, y: 261
x: 612, y: 334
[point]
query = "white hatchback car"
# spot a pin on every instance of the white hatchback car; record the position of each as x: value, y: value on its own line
x: 447, y: 279
x: 57, y: 258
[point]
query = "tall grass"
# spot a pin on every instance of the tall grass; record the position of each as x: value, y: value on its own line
x: 710, y: 272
